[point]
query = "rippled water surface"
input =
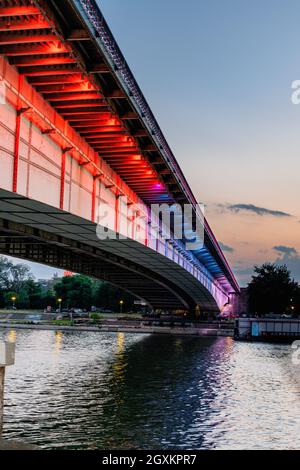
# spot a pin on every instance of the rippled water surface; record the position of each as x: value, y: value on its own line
x: 116, y: 391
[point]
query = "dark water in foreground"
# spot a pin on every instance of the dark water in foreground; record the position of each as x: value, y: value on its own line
x: 116, y: 391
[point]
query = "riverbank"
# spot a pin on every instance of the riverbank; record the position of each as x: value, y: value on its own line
x: 202, y: 331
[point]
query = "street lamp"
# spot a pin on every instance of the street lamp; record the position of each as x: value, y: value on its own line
x: 59, y: 303
x: 121, y: 305
x: 13, y: 299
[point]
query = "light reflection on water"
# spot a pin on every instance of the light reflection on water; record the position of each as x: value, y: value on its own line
x: 92, y: 390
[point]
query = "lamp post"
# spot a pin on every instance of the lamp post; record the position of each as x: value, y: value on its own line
x: 292, y: 306
x: 59, y: 303
x: 13, y: 299
x: 121, y: 305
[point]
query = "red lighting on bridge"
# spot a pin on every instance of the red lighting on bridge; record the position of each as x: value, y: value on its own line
x: 32, y: 42
x: 68, y: 273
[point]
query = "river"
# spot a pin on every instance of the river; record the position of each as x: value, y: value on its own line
x: 123, y: 391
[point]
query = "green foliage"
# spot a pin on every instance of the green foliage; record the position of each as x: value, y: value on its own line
x: 108, y: 296
x: 8, y: 297
x: 96, y: 316
x: 32, y: 293
x: 271, y: 290
x: 62, y: 323
x: 12, y: 276
x: 75, y: 291
x: 48, y: 298
x: 5, y: 277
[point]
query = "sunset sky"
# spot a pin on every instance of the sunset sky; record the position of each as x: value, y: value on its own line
x: 217, y: 75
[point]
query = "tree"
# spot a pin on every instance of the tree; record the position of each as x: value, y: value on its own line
x: 271, y: 289
x: 75, y: 291
x: 13, y: 275
x: 5, y: 275
x: 48, y: 299
x: 8, y: 296
x: 32, y: 292
x: 19, y: 274
x: 108, y: 296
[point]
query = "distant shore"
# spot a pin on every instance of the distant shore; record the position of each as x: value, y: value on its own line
x: 117, y: 328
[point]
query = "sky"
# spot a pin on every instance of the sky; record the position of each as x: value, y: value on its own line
x: 217, y: 75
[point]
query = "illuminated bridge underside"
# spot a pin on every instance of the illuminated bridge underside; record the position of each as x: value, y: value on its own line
x: 76, y: 132
x: 37, y: 233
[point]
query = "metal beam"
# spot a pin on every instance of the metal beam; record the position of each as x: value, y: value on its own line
x: 105, y: 134
x: 98, y: 68
x: 79, y: 86
x: 149, y: 148
x: 78, y: 35
x: 61, y: 79
x: 26, y: 39
x: 16, y: 152
x: 86, y: 104
x: 23, y: 25
x: 117, y: 148
x: 119, y: 152
x: 98, y: 130
x: 137, y: 171
x: 62, y: 180
x: 31, y: 61
x: 111, y: 138
x: 131, y: 115
x: 83, y: 110
x: 125, y: 164
x: 89, y: 118
x: 115, y: 94
x: 74, y: 96
x: 86, y: 124
x: 19, y: 11
x: 15, y: 50
x: 140, y: 133
x: 37, y: 71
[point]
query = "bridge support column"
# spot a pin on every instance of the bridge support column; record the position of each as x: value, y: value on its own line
x: 197, y: 311
x: 194, y: 312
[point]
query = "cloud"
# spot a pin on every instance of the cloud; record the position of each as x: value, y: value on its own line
x: 243, y: 272
x: 226, y: 248
x: 286, y: 251
x: 290, y: 257
x: 256, y: 210
x: 286, y: 255
x: 292, y: 263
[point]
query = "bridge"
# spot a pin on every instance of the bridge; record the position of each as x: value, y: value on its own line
x: 77, y: 134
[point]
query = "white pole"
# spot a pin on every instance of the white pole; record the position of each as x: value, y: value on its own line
x: 2, y: 376
x: 7, y: 358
